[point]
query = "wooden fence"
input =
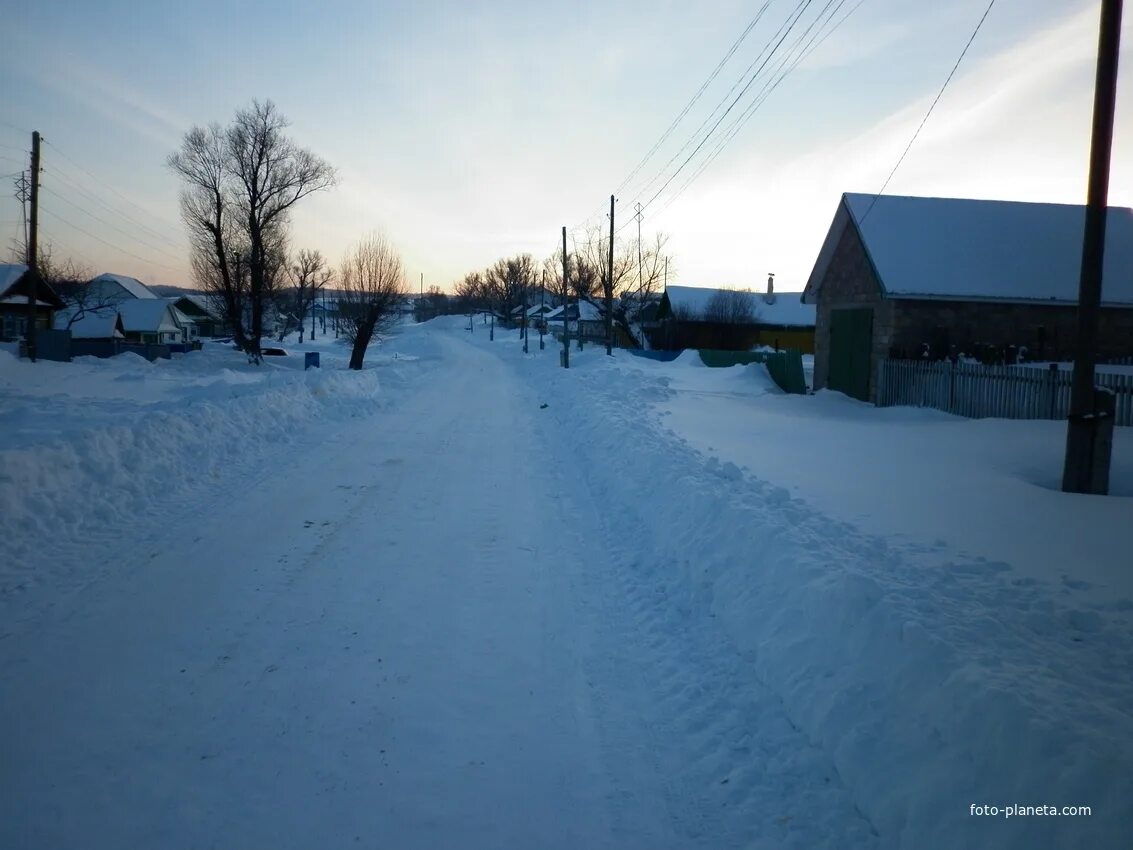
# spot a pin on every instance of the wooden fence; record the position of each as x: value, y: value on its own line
x: 1005, y: 392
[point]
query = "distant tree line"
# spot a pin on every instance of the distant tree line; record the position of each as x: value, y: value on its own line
x: 635, y: 283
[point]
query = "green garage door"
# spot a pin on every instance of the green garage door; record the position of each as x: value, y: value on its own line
x: 851, y: 339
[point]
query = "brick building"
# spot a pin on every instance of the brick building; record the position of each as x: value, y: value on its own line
x: 905, y: 277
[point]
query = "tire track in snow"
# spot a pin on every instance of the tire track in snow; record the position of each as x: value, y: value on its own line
x: 733, y: 768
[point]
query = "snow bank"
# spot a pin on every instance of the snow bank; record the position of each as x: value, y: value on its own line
x: 96, y: 446
x: 931, y: 686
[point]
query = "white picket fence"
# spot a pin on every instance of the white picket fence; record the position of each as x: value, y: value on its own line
x: 1005, y: 392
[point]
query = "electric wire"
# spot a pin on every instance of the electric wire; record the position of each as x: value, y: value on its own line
x: 924, y: 120
x: 105, y: 242
x: 106, y: 223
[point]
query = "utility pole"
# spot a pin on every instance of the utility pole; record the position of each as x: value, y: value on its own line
x: 566, y: 302
x: 1089, y: 433
x: 33, y: 248
x: 610, y: 286
x: 542, y: 310
x: 525, y: 288
x: 639, y: 217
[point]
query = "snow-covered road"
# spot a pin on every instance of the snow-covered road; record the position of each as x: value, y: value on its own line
x: 414, y: 629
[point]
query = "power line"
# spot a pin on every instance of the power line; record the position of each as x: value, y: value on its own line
x: 763, y: 56
x: 816, y: 40
x: 99, y: 180
x: 126, y: 251
x: 692, y: 101
x: 95, y: 199
x: 924, y: 120
x: 103, y: 221
x: 664, y: 136
x: 791, y: 26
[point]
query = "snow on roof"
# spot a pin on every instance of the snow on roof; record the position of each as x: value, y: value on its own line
x: 22, y: 300
x: 588, y: 311
x: 10, y: 273
x: 971, y: 249
x: 188, y: 305
x: 540, y: 309
x: 785, y: 308
x: 147, y: 315
x: 100, y: 324
x: 132, y: 285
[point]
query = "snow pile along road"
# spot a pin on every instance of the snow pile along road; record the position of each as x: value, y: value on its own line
x: 97, y: 447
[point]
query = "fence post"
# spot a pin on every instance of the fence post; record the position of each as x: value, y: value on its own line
x: 1052, y: 376
x: 951, y: 387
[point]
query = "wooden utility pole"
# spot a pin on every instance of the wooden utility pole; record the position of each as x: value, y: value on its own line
x: 1089, y: 432
x: 33, y: 249
x: 542, y: 306
x: 566, y: 304
x: 610, y: 286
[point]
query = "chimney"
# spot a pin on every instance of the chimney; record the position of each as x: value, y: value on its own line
x: 769, y: 298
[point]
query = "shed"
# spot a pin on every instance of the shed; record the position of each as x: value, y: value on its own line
x: 905, y: 277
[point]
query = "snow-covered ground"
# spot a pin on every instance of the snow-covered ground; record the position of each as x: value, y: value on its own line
x: 467, y: 598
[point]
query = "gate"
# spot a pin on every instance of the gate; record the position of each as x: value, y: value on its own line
x: 851, y: 341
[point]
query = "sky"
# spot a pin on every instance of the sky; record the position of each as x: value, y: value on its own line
x: 469, y: 131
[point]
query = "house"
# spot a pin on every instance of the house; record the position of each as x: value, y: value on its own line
x: 16, y: 281
x: 570, y: 312
x: 537, y: 315
x: 197, y: 313
x: 151, y: 320
x: 732, y: 319
x: 110, y: 288
x: 945, y: 277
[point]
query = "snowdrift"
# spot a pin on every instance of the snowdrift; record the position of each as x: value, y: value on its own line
x: 932, y: 690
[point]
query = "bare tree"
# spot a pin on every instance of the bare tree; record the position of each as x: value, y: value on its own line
x: 215, y: 237
x: 508, y: 281
x: 638, y: 274
x: 71, y: 281
x: 271, y: 174
x: 731, y: 307
x: 240, y: 185
x: 373, y: 285
x: 642, y: 292
x: 308, y: 275
x: 593, y: 255
x: 472, y: 293
x: 434, y: 302
x: 560, y: 289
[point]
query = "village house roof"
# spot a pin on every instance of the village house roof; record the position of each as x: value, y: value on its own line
x: 148, y: 316
x: 134, y: 287
x: 14, y: 285
x: 781, y: 308
x: 588, y: 311
x: 194, y: 307
x: 962, y: 249
x: 97, y: 324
